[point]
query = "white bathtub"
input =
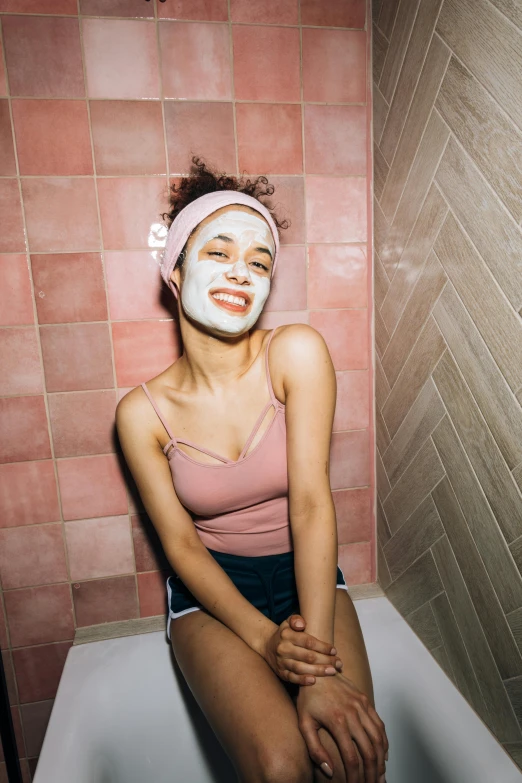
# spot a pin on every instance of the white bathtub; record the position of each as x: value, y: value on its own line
x: 124, y: 715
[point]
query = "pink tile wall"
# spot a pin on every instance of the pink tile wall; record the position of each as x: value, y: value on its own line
x: 85, y: 156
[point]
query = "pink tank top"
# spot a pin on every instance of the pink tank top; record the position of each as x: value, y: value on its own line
x: 240, y: 506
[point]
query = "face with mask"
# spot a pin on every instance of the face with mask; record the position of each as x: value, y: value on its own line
x: 225, y: 276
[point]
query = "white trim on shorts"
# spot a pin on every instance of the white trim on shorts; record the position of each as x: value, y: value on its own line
x: 175, y: 615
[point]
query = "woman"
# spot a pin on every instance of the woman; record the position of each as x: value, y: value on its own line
x: 229, y: 448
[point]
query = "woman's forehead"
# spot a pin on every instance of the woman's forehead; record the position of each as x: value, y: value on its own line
x: 230, y: 212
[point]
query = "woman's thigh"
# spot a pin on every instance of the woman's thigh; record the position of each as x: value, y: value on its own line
x: 244, y: 701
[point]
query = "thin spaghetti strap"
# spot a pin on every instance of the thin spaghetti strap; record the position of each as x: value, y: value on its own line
x: 267, y: 369
x: 147, y: 392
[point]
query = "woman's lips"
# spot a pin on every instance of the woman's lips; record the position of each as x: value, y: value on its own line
x: 231, y: 306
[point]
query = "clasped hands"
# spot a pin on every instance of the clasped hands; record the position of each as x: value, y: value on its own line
x: 334, y: 703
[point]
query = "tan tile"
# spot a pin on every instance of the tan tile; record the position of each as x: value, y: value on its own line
x: 383, y: 531
x: 477, y: 208
x: 417, y: 534
x: 387, y: 16
x: 510, y: 8
x: 490, y: 391
x: 380, y: 232
x: 417, y: 481
x: 396, y: 50
x: 420, y: 363
x: 422, y: 237
x: 428, y: 287
x: 482, y: 592
x: 381, y: 334
x: 422, y: 622
x: 502, y: 719
x: 380, y: 171
x: 383, y: 441
x: 382, y: 387
x: 419, y: 423
x: 381, y: 281
x: 481, y: 531
x: 383, y: 573
x: 481, y: 449
x: 489, y: 46
x: 418, y: 584
x: 380, y: 111
x: 478, y: 123
x: 499, y: 325
x: 410, y: 70
x: 415, y: 190
x: 379, y: 49
x: 421, y: 107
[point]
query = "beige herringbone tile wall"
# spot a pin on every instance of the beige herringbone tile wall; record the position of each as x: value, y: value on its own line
x: 448, y: 328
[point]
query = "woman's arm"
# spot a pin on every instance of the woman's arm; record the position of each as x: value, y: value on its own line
x: 189, y: 558
x: 310, y: 391
x: 203, y: 576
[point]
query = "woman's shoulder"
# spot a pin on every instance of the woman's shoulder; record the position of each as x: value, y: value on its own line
x: 296, y: 340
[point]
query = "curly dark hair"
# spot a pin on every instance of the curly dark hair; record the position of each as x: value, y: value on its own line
x: 205, y: 179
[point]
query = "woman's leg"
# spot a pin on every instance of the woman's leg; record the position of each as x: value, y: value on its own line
x: 244, y: 701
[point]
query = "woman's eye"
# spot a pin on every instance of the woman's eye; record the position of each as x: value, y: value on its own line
x: 259, y: 264
x: 217, y: 253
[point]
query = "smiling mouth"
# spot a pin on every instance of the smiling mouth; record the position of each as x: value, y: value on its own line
x: 234, y: 303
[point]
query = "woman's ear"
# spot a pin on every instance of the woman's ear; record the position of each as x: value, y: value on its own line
x: 175, y: 276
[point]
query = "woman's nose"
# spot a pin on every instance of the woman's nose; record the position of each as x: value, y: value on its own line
x: 239, y: 271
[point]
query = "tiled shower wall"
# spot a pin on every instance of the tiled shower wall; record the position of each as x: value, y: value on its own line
x: 101, y: 102
x: 448, y: 299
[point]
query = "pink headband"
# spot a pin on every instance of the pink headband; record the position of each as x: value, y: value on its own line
x: 191, y: 215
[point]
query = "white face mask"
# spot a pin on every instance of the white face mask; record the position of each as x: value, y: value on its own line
x: 228, y: 272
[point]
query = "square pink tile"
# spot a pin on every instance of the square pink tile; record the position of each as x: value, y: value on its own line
x: 16, y: 299
x: 7, y: 158
x: 130, y: 210
x: 128, y: 137
x: 83, y: 423
x: 350, y: 459
x: 25, y: 433
x: 288, y: 289
x: 355, y: 561
x: 347, y: 335
x: 52, y: 137
x: 32, y: 555
x: 204, y: 129
x: 99, y: 547
x: 335, y: 140
x: 69, y: 287
x: 266, y: 63
x: 142, y: 349
x: 353, y: 512
x: 205, y: 77
x: 61, y: 214
x: 39, y: 6
x: 77, y: 357
x: 265, y: 11
x: 337, y: 276
x: 36, y: 48
x: 334, y: 13
x: 135, y: 286
x: 152, y: 593
x: 121, y: 58
x: 198, y: 10
x: 78, y: 476
x: 35, y: 719
x: 336, y: 209
x: 269, y: 138
x: 39, y: 615
x: 352, y: 411
x: 334, y: 66
x: 105, y: 600
x: 39, y: 669
x: 288, y: 200
x: 133, y: 8
x: 20, y: 361
x: 12, y: 239
x: 148, y: 550
x: 20, y: 507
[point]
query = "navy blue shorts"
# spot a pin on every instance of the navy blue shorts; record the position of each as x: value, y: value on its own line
x: 268, y: 582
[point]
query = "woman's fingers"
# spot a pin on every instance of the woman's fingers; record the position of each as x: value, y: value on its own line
x: 316, y: 750
x: 375, y: 740
x: 305, y: 655
x: 353, y: 767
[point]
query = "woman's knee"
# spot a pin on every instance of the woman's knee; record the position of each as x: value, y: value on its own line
x: 288, y: 763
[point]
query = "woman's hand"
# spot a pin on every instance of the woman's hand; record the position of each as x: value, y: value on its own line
x: 337, y: 705
x: 296, y: 656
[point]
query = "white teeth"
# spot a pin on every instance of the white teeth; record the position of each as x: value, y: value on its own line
x: 229, y: 298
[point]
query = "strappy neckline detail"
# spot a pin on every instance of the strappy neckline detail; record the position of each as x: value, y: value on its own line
x: 225, y: 461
